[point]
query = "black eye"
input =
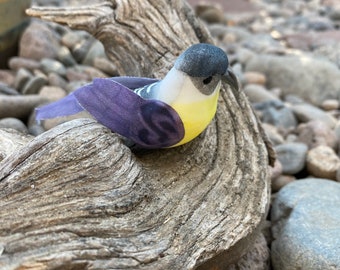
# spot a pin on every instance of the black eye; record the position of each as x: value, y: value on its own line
x: 207, y: 80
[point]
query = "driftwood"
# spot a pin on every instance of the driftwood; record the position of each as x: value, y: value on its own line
x: 76, y: 197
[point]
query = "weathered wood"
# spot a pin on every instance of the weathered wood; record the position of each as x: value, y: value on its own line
x: 77, y: 198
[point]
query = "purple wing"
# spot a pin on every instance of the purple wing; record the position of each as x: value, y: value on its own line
x: 148, y: 123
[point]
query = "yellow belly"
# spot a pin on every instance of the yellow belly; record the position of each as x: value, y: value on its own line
x: 196, y: 116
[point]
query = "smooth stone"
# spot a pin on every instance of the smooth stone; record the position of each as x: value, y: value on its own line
x: 14, y: 123
x: 52, y: 93
x: 22, y: 77
x: 315, y: 133
x: 252, y: 77
x: 7, y: 76
x: 71, y: 39
x: 276, y: 171
x: 273, y: 134
x: 292, y: 157
x: 257, y: 93
x: 330, y: 104
x: 281, y: 181
x: 307, y: 112
x: 52, y: 66
x: 56, y: 80
x: 75, y: 74
x: 6, y: 90
x: 323, y: 162
x: 210, y: 13
x: 106, y: 66
x: 96, y: 50
x: 34, y: 85
x: 299, y: 75
x: 65, y: 57
x: 306, y: 225
x: 275, y: 112
x: 16, y: 63
x: 80, y: 50
x: 19, y: 106
x: 39, y: 41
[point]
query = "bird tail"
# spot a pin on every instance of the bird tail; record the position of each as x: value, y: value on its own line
x: 69, y: 105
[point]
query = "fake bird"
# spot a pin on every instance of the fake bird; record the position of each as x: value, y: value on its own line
x: 155, y: 113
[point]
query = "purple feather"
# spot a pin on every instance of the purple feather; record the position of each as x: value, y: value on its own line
x: 148, y: 123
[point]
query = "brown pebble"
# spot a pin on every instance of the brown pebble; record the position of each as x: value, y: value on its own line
x: 330, y: 104
x: 52, y: 93
x: 7, y: 77
x: 276, y: 171
x: 16, y: 63
x: 105, y: 65
x: 252, y: 77
x: 281, y: 181
x: 323, y: 162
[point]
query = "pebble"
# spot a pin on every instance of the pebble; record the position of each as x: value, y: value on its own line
x: 315, y: 133
x: 21, y: 79
x: 52, y: 93
x: 6, y: 90
x: 65, y: 57
x: 275, y: 112
x: 14, y: 123
x: 19, y: 106
x: 7, y: 77
x: 330, y: 104
x: 33, y: 85
x: 281, y: 181
x: 38, y: 41
x: 210, y: 13
x: 106, y: 66
x: 96, y: 50
x: 17, y: 63
x: 56, y: 80
x: 252, y: 77
x: 292, y: 156
x: 273, y: 134
x: 80, y: 50
x: 257, y: 93
x: 307, y: 112
x: 306, y: 225
x: 299, y: 75
x: 52, y: 66
x: 323, y: 162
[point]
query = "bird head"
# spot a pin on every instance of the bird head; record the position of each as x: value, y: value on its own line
x: 198, y: 73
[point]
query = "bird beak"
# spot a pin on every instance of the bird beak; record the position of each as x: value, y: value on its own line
x: 230, y: 78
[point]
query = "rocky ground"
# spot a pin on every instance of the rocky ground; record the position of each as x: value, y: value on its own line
x: 287, y: 57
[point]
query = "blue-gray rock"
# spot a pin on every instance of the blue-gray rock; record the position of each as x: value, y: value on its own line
x: 13, y: 123
x: 52, y: 66
x: 65, y: 56
x: 257, y: 93
x: 21, y: 78
x: 6, y: 90
x: 312, y: 79
x: 34, y: 85
x: 292, y: 157
x: 307, y: 112
x: 306, y: 226
x: 275, y: 112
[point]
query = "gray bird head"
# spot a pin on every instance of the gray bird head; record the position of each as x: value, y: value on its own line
x: 203, y: 62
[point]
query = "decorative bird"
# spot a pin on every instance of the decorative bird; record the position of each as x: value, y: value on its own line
x: 155, y: 113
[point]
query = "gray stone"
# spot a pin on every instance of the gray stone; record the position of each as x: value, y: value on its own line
x: 257, y: 93
x: 65, y: 57
x: 306, y: 226
x: 56, y: 80
x: 22, y: 77
x: 52, y: 66
x: 292, y: 157
x: 275, y: 112
x: 312, y: 79
x: 80, y: 50
x: 34, y: 85
x: 13, y: 123
x: 273, y: 134
x: 105, y: 65
x: 306, y: 112
x: 96, y: 50
x: 6, y: 90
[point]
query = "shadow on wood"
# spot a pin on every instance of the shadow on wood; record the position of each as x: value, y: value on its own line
x: 75, y: 197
